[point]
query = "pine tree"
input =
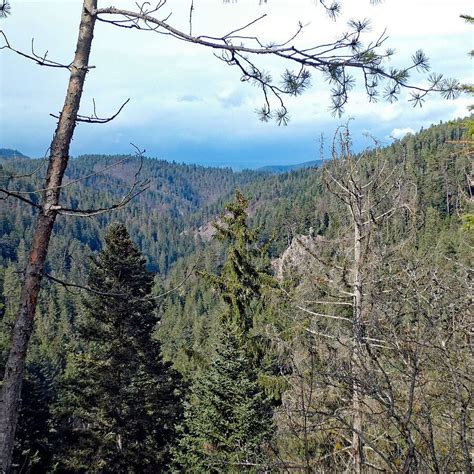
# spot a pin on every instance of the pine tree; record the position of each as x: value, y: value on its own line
x: 228, y: 420
x: 121, y: 402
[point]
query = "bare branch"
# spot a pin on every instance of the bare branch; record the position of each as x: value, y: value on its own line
x: 333, y: 60
x: 179, y: 285
x: 137, y: 188
x: 82, y: 178
x: 191, y: 10
x: 94, y: 118
x: 237, y: 30
x: 102, y: 210
x: 32, y: 173
x: 38, y: 59
x: 18, y: 196
x: 89, y: 289
x: 323, y: 315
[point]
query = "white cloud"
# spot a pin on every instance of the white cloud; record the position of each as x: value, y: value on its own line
x: 181, y: 90
x: 401, y: 132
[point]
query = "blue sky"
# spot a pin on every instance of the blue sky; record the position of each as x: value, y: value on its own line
x: 188, y: 106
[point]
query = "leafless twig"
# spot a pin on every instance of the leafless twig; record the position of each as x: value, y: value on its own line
x: 95, y: 291
x: 38, y: 59
x: 94, y: 118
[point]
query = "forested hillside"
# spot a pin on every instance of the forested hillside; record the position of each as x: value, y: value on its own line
x: 156, y: 218
x: 324, y: 315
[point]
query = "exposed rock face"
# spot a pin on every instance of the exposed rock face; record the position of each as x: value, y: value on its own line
x: 296, y: 255
x: 206, y: 231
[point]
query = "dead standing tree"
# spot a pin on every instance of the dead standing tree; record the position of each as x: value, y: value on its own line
x: 371, y: 193
x: 332, y: 302
x: 334, y: 60
x: 389, y: 324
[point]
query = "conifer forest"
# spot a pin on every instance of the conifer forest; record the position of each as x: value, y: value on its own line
x: 164, y: 316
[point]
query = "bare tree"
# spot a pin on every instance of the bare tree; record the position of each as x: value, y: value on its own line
x: 333, y: 298
x: 334, y: 60
x: 58, y: 160
x: 371, y: 194
x: 388, y: 328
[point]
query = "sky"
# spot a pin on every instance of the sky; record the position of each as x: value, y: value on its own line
x: 188, y: 106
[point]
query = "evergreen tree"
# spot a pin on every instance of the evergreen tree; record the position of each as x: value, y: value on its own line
x: 121, y: 401
x: 228, y: 420
x: 33, y: 449
x: 245, y: 284
x: 10, y: 297
x: 244, y: 276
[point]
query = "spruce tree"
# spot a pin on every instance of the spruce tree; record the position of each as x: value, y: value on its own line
x: 228, y: 420
x: 245, y: 273
x: 121, y: 402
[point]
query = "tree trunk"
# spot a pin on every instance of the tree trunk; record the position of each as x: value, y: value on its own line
x: 357, y: 445
x: 58, y: 159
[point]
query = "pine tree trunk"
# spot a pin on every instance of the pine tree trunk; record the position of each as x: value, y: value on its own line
x: 58, y: 159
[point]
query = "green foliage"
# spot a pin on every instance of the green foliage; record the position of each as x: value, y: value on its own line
x: 468, y: 222
x: 228, y: 422
x: 176, y: 192
x: 120, y: 401
x: 5, y: 9
x: 10, y: 300
x: 228, y: 419
x: 34, y: 443
x: 241, y: 283
x: 75, y: 356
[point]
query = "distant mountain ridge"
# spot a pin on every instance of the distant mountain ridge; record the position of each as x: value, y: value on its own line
x: 276, y: 169
x: 157, y: 217
x: 172, y: 218
x: 10, y: 153
x: 7, y: 153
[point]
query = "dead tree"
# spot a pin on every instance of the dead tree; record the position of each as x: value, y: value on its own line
x: 390, y: 326
x: 334, y: 61
x: 364, y: 192
x: 333, y: 298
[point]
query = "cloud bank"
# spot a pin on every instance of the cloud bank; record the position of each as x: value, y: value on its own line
x: 186, y: 105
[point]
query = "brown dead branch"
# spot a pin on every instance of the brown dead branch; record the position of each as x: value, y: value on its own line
x: 41, y: 60
x: 94, y: 118
x: 88, y: 289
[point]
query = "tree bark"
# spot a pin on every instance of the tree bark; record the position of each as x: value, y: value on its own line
x: 58, y: 160
x: 357, y: 422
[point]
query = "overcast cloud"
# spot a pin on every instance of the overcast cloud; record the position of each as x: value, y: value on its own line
x: 186, y: 105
